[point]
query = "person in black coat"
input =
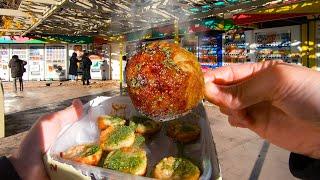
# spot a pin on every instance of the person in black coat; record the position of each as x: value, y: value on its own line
x: 86, y: 66
x: 73, y: 68
x: 17, y: 69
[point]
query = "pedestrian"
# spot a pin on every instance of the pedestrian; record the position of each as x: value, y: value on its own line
x: 17, y: 69
x: 104, y: 67
x: 86, y: 66
x: 73, y: 68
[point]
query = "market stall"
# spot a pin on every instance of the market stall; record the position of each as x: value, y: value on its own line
x: 275, y: 43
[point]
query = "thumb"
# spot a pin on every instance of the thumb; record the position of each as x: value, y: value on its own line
x: 243, y: 85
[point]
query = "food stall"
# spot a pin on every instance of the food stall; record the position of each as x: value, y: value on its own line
x: 275, y: 43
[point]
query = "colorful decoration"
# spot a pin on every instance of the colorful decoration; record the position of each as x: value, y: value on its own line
x: 46, y: 39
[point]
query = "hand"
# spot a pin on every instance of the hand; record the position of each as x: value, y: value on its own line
x: 278, y: 101
x: 28, y: 159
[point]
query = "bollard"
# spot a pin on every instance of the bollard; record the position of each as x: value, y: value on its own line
x: 1, y: 110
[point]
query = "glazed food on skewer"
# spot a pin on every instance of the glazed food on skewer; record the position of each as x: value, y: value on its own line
x: 117, y: 137
x: 128, y: 160
x: 145, y: 125
x: 176, y: 168
x: 164, y: 81
x: 107, y: 121
x: 183, y: 131
x: 88, y: 154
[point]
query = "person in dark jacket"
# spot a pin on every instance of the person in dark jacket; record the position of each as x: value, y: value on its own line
x: 73, y: 68
x: 17, y: 70
x: 86, y: 66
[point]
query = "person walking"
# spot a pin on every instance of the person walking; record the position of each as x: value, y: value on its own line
x: 17, y: 69
x: 86, y: 66
x: 73, y: 68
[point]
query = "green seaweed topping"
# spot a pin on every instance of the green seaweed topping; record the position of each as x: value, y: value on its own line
x: 120, y: 134
x: 134, y: 83
x: 138, y: 81
x: 183, y: 166
x: 114, y: 119
x: 123, y: 162
x: 139, y: 141
x: 170, y: 64
x: 90, y: 151
x: 138, y: 67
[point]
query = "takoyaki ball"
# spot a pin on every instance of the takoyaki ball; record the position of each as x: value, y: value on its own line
x: 128, y: 160
x: 176, y: 168
x: 106, y: 121
x: 164, y: 80
x: 183, y: 131
x: 145, y: 125
x: 117, y: 137
x: 87, y: 154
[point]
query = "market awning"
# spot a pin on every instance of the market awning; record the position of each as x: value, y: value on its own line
x: 285, y: 11
x: 99, y: 17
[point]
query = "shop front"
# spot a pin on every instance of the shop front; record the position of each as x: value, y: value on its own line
x: 281, y: 43
x: 46, y: 57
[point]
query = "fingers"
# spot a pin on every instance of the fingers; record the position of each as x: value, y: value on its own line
x: 233, y: 74
x: 71, y: 113
x: 237, y: 87
x: 49, y: 126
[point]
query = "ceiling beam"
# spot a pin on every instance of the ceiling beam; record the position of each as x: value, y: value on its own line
x: 13, y: 12
x: 11, y: 30
x: 51, y: 2
x: 225, y: 10
x: 46, y: 14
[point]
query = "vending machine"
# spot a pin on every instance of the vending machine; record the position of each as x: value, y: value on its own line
x: 36, y: 62
x: 21, y: 50
x: 56, y: 62
x: 4, y: 62
x: 210, y: 51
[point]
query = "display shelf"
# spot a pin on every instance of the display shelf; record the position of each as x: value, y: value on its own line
x: 234, y: 47
x: 274, y: 45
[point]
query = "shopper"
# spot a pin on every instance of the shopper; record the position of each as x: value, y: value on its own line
x: 73, y: 68
x: 278, y: 101
x: 104, y: 68
x: 86, y: 66
x: 17, y: 69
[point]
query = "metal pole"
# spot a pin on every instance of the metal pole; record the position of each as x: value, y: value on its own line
x: 121, y: 78
x: 110, y: 63
x: 308, y: 43
x: 2, y: 124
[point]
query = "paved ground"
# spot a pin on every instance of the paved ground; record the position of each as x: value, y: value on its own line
x: 37, y: 94
x: 242, y: 154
